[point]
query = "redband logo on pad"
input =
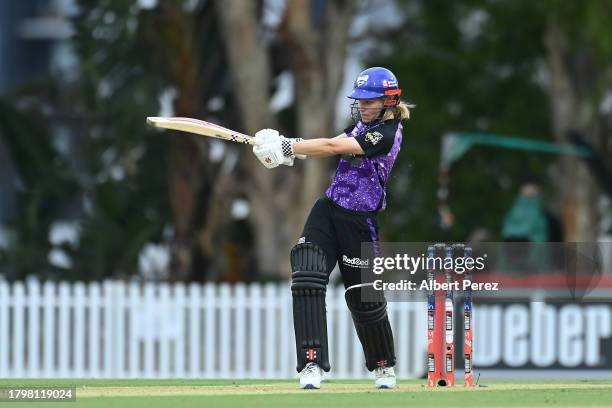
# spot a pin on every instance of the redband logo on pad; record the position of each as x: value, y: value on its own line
x: 355, y: 262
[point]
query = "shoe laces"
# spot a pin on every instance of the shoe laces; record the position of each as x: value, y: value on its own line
x: 384, y: 371
x: 311, y: 368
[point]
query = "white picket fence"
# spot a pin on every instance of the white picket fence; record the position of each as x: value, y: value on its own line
x: 131, y: 330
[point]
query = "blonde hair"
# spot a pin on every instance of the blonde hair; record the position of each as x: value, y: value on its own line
x: 400, y: 111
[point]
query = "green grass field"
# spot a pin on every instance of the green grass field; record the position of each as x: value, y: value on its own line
x: 353, y: 394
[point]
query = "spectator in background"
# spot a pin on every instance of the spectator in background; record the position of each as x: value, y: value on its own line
x: 530, y: 223
x: 526, y: 221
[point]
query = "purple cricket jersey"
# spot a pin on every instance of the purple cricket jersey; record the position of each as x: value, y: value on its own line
x: 360, y: 181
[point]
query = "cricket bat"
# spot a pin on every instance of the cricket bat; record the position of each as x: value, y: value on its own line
x: 200, y: 127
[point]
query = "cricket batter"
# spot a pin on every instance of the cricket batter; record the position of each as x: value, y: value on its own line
x: 341, y: 221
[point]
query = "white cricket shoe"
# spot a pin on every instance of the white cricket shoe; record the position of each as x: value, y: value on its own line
x: 385, y: 377
x: 310, y: 377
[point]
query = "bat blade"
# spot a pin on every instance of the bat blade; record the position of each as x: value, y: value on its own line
x: 199, y: 127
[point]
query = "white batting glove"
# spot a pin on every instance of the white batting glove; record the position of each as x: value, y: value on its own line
x: 269, y: 149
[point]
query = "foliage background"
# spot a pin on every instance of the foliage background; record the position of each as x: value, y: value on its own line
x: 77, y: 142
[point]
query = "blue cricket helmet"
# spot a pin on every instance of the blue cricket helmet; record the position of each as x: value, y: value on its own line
x: 377, y: 82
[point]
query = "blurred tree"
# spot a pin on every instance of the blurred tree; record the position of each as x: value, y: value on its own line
x: 45, y: 185
x: 94, y: 163
x: 465, y: 64
x: 133, y: 187
x: 311, y: 43
x: 135, y: 61
x: 132, y: 60
x: 579, y: 56
x: 467, y: 68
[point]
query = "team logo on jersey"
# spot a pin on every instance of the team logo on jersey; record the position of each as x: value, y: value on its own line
x: 373, y: 137
x: 362, y: 79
